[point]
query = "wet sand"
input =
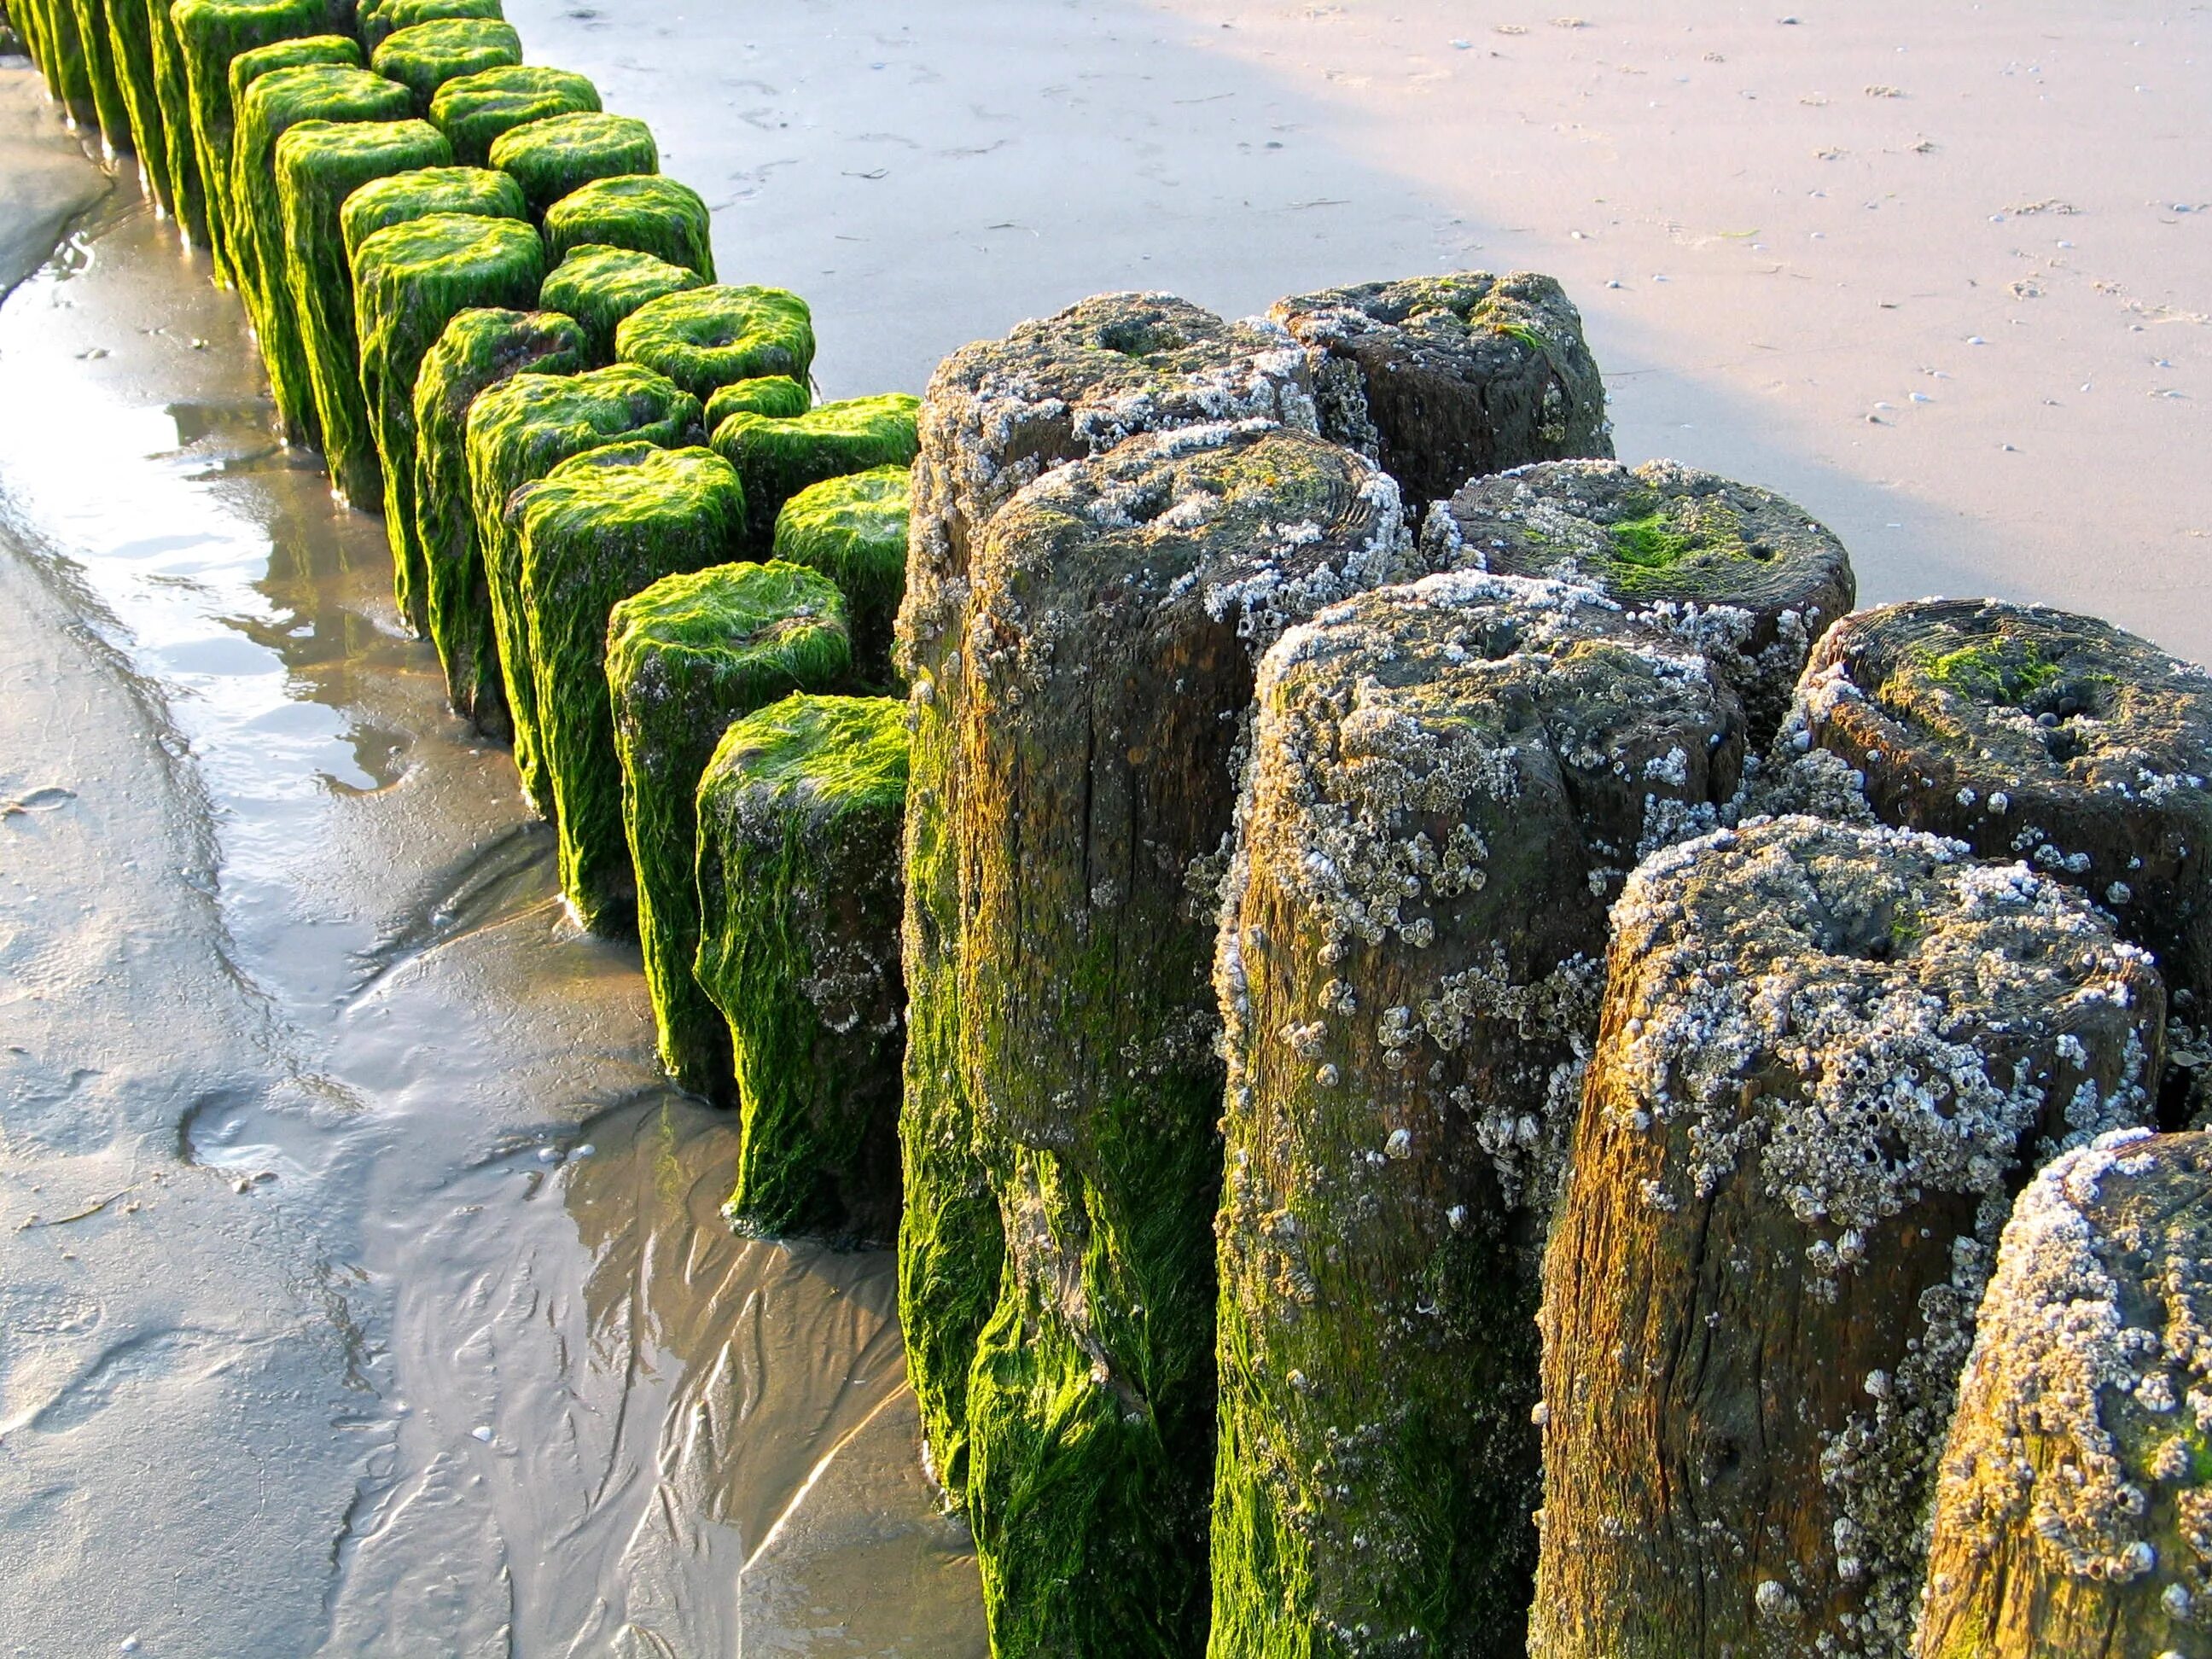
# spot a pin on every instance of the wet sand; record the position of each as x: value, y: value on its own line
x: 328, y: 1333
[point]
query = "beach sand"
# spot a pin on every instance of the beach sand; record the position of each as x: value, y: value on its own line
x: 318, y: 1330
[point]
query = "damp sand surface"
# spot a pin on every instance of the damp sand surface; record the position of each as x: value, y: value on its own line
x: 361, y: 1289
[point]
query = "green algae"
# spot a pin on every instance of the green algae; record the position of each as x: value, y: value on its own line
x: 269, y: 107
x: 599, y: 527
x: 519, y: 430
x: 600, y: 286
x: 550, y: 158
x: 209, y: 34
x: 378, y: 23
x: 67, y: 74
x: 318, y: 165
x: 186, y: 198
x: 642, y: 211
x: 109, y: 108
x: 409, y: 281
x: 2005, y: 669
x: 686, y: 657
x: 852, y: 529
x: 480, y: 348
x: 799, y: 816
x: 130, y: 48
x: 706, y: 338
x: 478, y: 193
x: 423, y: 56
x: 778, y: 458
x: 777, y: 396
x: 473, y: 110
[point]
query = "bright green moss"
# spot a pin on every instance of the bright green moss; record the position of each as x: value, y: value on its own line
x: 778, y: 458
x: 409, y: 281
x: 208, y: 34
x: 108, y: 106
x: 379, y: 23
x: 480, y: 348
x: 2002, y: 669
x: 777, y: 396
x: 473, y: 110
x: 799, y: 816
x: 1651, y: 548
x: 423, y: 56
x: 685, y: 658
x: 550, y: 158
x: 599, y: 527
x: 642, y: 211
x: 852, y: 529
x: 270, y: 105
x: 319, y: 165
x: 382, y: 203
x: 600, y: 286
x: 519, y: 430
x: 130, y: 48
x: 187, y: 192
x: 706, y: 338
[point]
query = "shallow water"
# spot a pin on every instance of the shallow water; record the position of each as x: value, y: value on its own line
x: 411, y: 1324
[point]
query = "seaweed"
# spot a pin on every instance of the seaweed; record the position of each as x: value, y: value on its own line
x: 706, y: 338
x: 474, y: 110
x: 600, y: 286
x: 853, y: 529
x: 777, y: 459
x: 550, y: 158
x: 423, y: 56
x: 643, y: 211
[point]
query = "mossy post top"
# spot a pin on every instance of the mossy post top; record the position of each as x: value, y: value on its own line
x: 885, y: 420
x: 488, y: 341
x: 783, y: 619
x: 812, y: 760
x: 600, y: 286
x: 423, y: 56
x: 380, y: 204
x: 550, y: 158
x: 302, y: 52
x: 777, y: 396
x: 1654, y: 534
x: 378, y: 23
x: 853, y: 527
x: 442, y: 247
x: 706, y: 338
x: 314, y: 152
x: 473, y: 110
x: 647, y: 212
x: 556, y: 414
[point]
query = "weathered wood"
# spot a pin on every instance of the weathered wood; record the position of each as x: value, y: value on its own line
x: 1743, y: 575
x: 2074, y: 1519
x: 997, y: 414
x: 1828, y: 1055
x: 1119, y: 606
x: 799, y: 897
x: 1448, y: 780
x: 1444, y: 379
x: 2033, y: 733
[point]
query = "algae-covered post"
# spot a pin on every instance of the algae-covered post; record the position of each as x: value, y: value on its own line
x: 686, y: 657
x: 642, y: 211
x: 777, y: 396
x: 1448, y: 779
x: 473, y: 110
x: 997, y: 414
x: 1827, y: 1052
x: 188, y: 191
x: 2074, y: 1514
x: 1119, y: 606
x: 799, y: 816
x: 705, y: 338
x: 131, y: 42
x: 318, y: 165
x: 109, y: 108
x: 377, y: 205
x: 518, y: 430
x: 2027, y: 733
x: 209, y: 34
x: 551, y: 157
x: 423, y: 56
x: 480, y: 348
x: 600, y: 286
x: 777, y: 459
x: 1443, y: 378
x: 596, y: 529
x: 409, y: 281
x: 1744, y: 575
x: 853, y: 529
x: 267, y: 108
x: 377, y: 23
